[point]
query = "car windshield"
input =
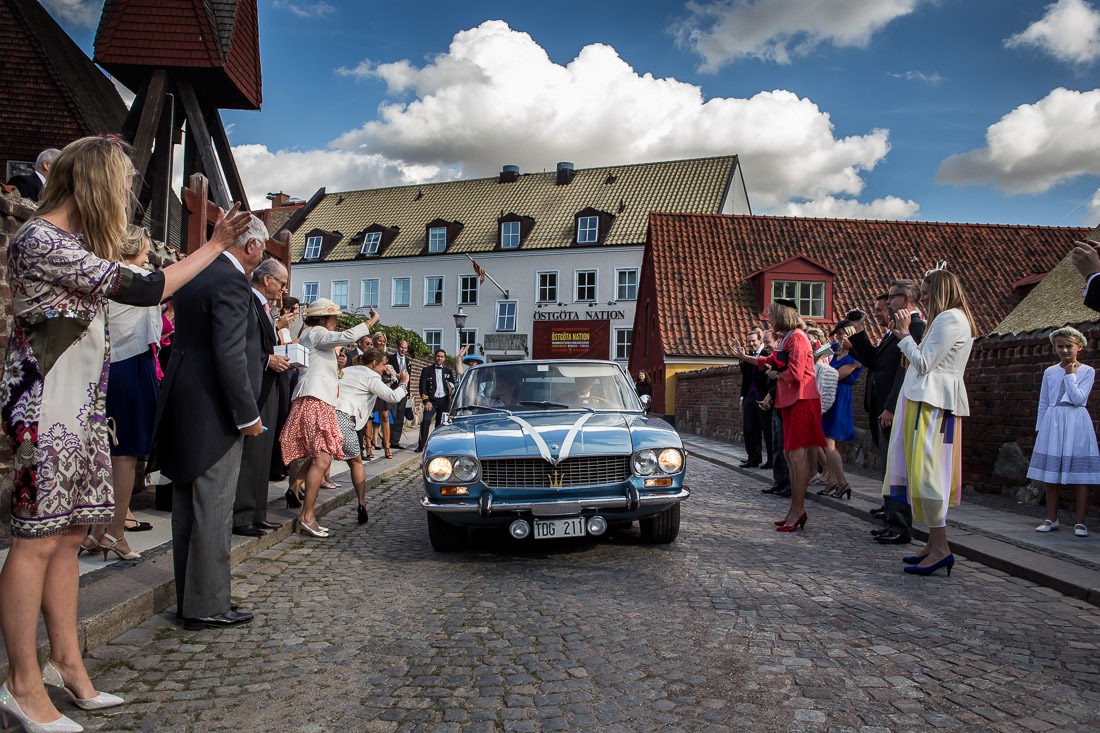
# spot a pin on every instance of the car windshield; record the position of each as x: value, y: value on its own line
x: 525, y: 386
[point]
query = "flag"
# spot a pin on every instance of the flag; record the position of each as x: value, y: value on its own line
x: 479, y: 271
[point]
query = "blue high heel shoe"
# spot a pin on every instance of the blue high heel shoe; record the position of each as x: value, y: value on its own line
x: 912, y: 559
x: 948, y: 562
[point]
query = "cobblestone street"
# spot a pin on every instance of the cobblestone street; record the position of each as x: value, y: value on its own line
x: 733, y: 627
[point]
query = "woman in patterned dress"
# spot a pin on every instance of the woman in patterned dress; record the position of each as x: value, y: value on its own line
x: 63, y: 266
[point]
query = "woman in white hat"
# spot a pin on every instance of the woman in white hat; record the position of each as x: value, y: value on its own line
x: 311, y: 429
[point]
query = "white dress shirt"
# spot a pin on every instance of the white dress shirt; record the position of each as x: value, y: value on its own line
x: 440, y: 392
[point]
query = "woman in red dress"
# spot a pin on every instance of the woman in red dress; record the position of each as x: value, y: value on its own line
x: 796, y: 397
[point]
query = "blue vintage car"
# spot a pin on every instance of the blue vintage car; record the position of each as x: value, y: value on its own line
x: 551, y: 449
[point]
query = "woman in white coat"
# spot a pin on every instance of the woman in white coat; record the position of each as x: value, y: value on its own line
x: 924, y: 464
x: 311, y: 430
x: 361, y: 386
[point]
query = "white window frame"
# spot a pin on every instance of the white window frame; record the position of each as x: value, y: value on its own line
x: 629, y: 332
x: 442, y: 290
x: 590, y: 227
x: 505, y: 237
x: 365, y: 300
x: 313, y: 245
x: 462, y: 280
x: 458, y: 340
x: 514, y: 316
x: 435, y: 343
x: 393, y: 292
x: 577, y: 287
x: 432, y: 240
x: 538, y: 286
x: 332, y: 292
x: 306, y: 300
x: 805, y: 305
x: 371, y: 243
x: 618, y: 284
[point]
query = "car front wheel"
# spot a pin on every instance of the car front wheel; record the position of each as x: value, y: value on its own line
x: 661, y: 529
x: 445, y: 537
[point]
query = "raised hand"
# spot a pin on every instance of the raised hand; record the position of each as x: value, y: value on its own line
x: 227, y: 227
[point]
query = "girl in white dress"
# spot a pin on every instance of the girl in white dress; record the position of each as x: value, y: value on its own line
x: 1065, y: 449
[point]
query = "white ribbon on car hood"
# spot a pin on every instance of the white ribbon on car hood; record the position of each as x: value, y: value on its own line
x: 544, y: 449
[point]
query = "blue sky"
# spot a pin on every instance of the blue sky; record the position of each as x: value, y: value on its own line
x: 937, y: 110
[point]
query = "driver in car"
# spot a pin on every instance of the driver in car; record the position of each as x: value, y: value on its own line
x: 507, y: 393
x: 588, y: 392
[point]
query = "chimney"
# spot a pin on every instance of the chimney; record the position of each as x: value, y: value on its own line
x: 565, y: 173
x: 278, y: 199
x: 509, y: 174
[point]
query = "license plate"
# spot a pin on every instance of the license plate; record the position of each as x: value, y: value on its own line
x: 554, y: 528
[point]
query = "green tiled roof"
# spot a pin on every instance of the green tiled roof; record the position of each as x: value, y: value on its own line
x: 629, y: 192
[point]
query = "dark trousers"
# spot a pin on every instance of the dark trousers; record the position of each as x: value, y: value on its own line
x: 781, y: 476
x: 397, y: 412
x: 439, y: 406
x: 757, y: 425
x: 899, y: 515
x: 250, y: 505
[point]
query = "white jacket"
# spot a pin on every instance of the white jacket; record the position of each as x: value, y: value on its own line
x: 937, y: 363
x: 321, y: 378
x: 360, y: 387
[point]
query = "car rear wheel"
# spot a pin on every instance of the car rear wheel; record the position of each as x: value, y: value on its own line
x: 661, y: 529
x: 445, y: 537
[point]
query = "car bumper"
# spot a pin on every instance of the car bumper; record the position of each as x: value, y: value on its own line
x: 488, y: 506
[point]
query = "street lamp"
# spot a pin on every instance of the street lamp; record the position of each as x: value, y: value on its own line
x: 460, y: 323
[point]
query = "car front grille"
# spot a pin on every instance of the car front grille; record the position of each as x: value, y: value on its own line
x: 536, y: 473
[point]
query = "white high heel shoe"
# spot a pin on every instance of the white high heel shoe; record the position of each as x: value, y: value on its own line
x: 8, y: 706
x: 51, y: 675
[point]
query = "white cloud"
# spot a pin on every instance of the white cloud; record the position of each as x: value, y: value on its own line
x: 831, y: 207
x: 306, y: 9
x: 932, y: 79
x: 1092, y: 209
x: 722, y: 31
x: 496, y: 97
x: 1069, y: 31
x: 1035, y: 146
x: 84, y: 13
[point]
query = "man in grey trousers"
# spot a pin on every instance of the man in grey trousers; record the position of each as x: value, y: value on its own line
x: 207, y: 408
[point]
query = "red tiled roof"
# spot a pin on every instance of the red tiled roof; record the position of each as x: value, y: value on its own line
x: 702, y: 262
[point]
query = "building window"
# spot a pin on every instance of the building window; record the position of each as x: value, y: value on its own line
x: 309, y: 293
x: 509, y: 234
x: 809, y: 295
x: 585, y: 289
x: 624, y: 338
x: 467, y: 290
x: 402, y: 293
x: 548, y: 287
x: 506, y: 315
x: 433, y: 290
x: 370, y: 294
x: 588, y: 229
x: 467, y: 337
x: 371, y: 240
x: 626, y: 284
x: 434, y: 339
x: 437, y: 239
x: 340, y: 293
x: 313, y: 248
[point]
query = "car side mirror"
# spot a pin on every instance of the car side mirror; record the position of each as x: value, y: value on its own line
x: 646, y: 399
x: 445, y: 420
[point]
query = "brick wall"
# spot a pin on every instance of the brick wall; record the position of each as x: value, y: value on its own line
x: 13, y: 212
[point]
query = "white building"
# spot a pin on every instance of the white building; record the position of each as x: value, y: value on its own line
x: 565, y: 247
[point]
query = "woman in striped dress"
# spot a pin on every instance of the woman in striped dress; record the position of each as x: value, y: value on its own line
x: 924, y: 463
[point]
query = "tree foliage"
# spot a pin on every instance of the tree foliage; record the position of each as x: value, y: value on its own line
x: 355, y: 316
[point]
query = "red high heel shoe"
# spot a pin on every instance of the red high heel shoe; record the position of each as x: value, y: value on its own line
x: 780, y: 522
x: 801, y: 523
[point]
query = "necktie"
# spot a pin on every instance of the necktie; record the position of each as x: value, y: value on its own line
x: 267, y: 310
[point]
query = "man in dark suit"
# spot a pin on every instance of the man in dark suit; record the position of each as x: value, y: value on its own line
x: 399, y: 360
x: 754, y: 386
x: 250, y: 507
x: 436, y: 383
x: 207, y: 408
x: 1087, y: 261
x: 31, y: 184
x: 884, y: 380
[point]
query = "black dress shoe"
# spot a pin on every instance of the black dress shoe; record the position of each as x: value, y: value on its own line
x: 880, y: 532
x: 248, y: 531
x: 878, y: 512
x: 749, y: 464
x: 766, y: 465
x: 771, y: 490
x: 361, y: 514
x: 266, y: 525
x: 397, y: 446
x: 894, y: 538
x: 222, y: 620
x: 784, y: 492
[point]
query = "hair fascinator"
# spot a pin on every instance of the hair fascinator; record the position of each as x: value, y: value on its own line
x: 941, y: 266
x: 1070, y: 333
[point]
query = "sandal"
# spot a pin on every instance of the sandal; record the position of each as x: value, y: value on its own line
x: 329, y: 484
x: 138, y: 526
x: 1080, y: 530
x: 89, y: 545
x: 1047, y: 526
x: 827, y: 491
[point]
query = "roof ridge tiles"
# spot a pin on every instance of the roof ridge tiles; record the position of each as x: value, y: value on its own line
x: 775, y: 217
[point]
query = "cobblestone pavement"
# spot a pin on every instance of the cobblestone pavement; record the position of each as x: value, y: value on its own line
x: 733, y: 627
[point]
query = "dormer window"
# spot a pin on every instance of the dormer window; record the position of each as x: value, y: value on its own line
x: 810, y: 296
x: 512, y: 230
x: 441, y: 234
x: 509, y: 235
x: 591, y: 226
x: 808, y: 283
x: 371, y: 240
x: 374, y: 239
x: 437, y: 239
x: 313, y: 248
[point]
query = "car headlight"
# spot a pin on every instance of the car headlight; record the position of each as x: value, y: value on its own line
x: 644, y: 462
x: 440, y: 469
x: 670, y: 460
x: 465, y: 469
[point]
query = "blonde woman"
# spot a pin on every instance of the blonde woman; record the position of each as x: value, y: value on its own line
x: 924, y: 464
x: 63, y: 266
